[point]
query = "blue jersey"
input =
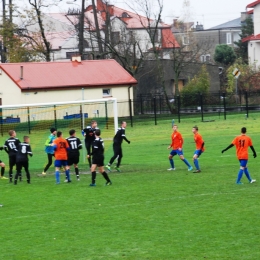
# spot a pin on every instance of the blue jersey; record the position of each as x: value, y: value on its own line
x: 48, y: 148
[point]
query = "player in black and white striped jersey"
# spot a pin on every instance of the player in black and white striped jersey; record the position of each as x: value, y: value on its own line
x: 73, y: 153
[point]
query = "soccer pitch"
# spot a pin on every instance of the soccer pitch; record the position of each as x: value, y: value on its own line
x: 148, y: 212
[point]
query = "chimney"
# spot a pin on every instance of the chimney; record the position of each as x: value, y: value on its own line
x: 76, y: 58
x: 199, y: 27
x: 244, y: 15
x: 21, y: 70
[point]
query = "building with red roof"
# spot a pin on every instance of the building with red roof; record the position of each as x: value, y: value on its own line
x: 49, y: 82
x: 254, y: 40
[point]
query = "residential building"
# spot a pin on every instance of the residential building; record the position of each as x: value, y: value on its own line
x: 254, y: 40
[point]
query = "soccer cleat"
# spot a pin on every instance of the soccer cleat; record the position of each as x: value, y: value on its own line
x: 15, y: 182
x: 190, y: 169
x: 108, y: 183
x: 66, y: 180
x: 92, y: 185
x: 4, y: 178
x: 78, y: 179
x: 197, y: 171
x: 69, y: 181
x: 252, y: 181
x: 171, y: 169
x: 108, y: 168
x: 57, y: 183
x: 239, y: 182
x: 20, y: 178
x: 118, y: 169
x: 43, y: 173
x: 1, y: 205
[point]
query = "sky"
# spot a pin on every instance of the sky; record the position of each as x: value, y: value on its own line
x: 206, y: 12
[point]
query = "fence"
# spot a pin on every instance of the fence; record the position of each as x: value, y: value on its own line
x: 196, y: 104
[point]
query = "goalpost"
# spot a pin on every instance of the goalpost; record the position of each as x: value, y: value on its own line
x: 37, y: 119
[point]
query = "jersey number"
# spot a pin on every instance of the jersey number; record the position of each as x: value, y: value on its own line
x: 241, y: 143
x: 74, y: 144
x: 12, y: 146
x: 23, y: 149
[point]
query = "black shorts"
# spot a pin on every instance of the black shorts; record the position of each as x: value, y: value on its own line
x: 73, y: 159
x: 98, y: 160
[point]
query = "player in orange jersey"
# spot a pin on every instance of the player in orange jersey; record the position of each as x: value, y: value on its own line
x: 61, y: 147
x: 242, y: 142
x: 199, y: 142
x: 176, y: 145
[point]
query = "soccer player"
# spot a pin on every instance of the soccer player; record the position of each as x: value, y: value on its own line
x: 49, y: 149
x: 10, y: 147
x: 199, y: 143
x: 117, y: 147
x: 61, y: 147
x: 73, y: 153
x: 98, y: 159
x: 24, y: 149
x: 89, y: 133
x: 176, y: 145
x: 242, y: 142
x: 2, y: 168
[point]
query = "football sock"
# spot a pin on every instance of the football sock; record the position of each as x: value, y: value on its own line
x: 77, y: 171
x: 94, y: 174
x: 57, y: 176
x: 247, y: 174
x: 239, y: 175
x: 2, y: 171
x: 118, y: 162
x: 67, y: 172
x: 89, y: 161
x: 171, y: 162
x: 186, y: 162
x: 196, y: 163
x: 106, y: 176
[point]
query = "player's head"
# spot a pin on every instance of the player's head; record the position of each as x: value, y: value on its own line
x: 12, y: 133
x: 72, y: 132
x: 98, y: 132
x: 243, y: 130
x: 174, y: 128
x: 26, y: 139
x: 53, y: 130
x: 123, y: 124
x: 59, y: 134
x: 93, y: 123
x: 195, y: 129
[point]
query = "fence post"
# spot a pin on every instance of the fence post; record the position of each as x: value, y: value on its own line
x: 247, y: 109
x: 141, y: 100
x: 224, y: 104
x: 81, y: 117
x: 1, y: 117
x: 131, y: 114
x: 55, y: 117
x: 179, y: 108
x: 29, y: 122
x: 154, y: 107
x: 201, y: 106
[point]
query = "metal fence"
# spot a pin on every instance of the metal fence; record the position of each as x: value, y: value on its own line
x: 195, y: 104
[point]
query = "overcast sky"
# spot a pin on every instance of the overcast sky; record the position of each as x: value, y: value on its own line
x: 207, y: 12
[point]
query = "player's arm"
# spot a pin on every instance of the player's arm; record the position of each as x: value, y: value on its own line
x: 253, y: 150
x: 231, y: 145
x: 79, y: 144
x: 48, y: 142
x: 29, y: 151
x: 6, y: 148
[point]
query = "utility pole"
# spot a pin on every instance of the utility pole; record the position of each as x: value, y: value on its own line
x: 3, y: 49
x: 81, y: 30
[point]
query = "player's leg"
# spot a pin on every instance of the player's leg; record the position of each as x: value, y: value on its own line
x: 2, y: 170
x: 11, y: 165
x: 115, y: 150
x: 241, y: 171
x: 88, y: 147
x: 119, y: 158
x: 18, y: 171
x: 180, y: 153
x: 196, y: 162
x: 57, y: 164
x: 75, y: 162
x: 26, y: 168
x: 247, y: 173
x: 93, y: 172
x: 49, y: 157
x: 67, y: 169
x: 171, y: 155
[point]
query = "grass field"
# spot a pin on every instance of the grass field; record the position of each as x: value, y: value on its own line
x: 148, y: 212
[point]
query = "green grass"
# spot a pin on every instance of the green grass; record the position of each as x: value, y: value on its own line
x: 148, y: 212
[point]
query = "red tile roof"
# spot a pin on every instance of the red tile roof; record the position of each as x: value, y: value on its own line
x: 251, y: 38
x: 254, y: 4
x: 168, y: 40
x: 55, y: 75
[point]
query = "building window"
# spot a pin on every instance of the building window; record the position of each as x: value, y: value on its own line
x: 185, y: 40
x: 205, y: 58
x: 228, y: 35
x: 155, y: 34
x: 115, y: 37
x: 106, y: 92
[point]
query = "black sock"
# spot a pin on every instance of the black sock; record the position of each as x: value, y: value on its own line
x: 77, y: 172
x: 106, y: 176
x: 2, y: 171
x: 94, y: 174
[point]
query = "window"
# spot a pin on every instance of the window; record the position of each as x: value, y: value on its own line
x: 185, y: 40
x: 115, y: 37
x: 228, y: 36
x: 106, y: 92
x: 205, y: 58
x: 154, y: 33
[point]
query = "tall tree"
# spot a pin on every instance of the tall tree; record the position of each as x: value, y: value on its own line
x: 242, y: 47
x: 224, y: 54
